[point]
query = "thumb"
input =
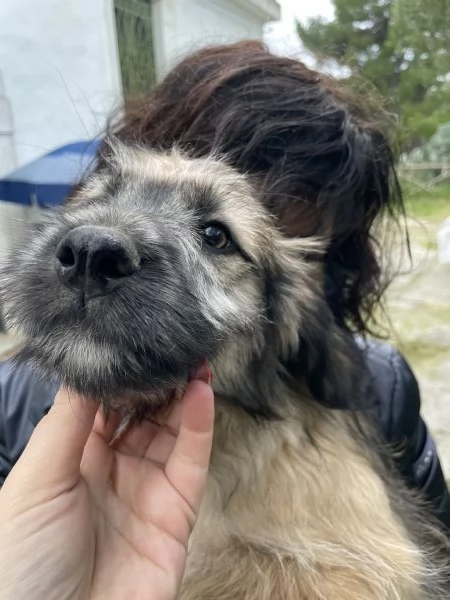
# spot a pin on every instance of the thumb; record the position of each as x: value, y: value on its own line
x: 53, y: 454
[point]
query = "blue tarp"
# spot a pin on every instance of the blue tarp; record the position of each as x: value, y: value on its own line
x: 49, y: 179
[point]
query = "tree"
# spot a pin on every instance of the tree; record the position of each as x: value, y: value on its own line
x: 402, y: 47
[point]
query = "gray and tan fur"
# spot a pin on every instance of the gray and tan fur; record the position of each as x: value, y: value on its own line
x: 301, y: 502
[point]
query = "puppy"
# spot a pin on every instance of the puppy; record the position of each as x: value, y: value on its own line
x: 161, y: 262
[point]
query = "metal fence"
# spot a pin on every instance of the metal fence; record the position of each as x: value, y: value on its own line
x: 135, y: 41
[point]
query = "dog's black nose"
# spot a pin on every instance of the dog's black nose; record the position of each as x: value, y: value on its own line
x: 95, y: 260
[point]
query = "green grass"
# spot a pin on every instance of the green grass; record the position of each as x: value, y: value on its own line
x: 414, y: 333
x: 425, y: 357
x: 431, y: 204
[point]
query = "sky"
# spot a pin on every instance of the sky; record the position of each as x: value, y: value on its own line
x: 282, y: 37
x: 302, y: 9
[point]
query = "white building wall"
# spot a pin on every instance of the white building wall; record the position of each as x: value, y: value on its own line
x: 59, y: 66
x: 58, y: 63
x: 7, y: 150
x: 181, y: 26
x: 59, y: 80
x: 60, y: 74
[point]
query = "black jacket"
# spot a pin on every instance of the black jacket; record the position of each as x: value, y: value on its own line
x: 24, y: 399
x: 398, y: 412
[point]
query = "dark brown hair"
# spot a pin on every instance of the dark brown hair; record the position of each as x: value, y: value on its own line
x: 318, y: 155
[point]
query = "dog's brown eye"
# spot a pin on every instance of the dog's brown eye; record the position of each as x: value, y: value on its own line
x: 217, y: 237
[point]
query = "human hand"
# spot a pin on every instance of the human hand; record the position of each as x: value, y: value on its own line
x: 81, y: 518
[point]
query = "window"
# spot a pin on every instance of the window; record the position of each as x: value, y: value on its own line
x: 135, y: 42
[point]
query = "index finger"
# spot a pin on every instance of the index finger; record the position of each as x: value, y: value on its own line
x: 57, y: 442
x: 187, y: 466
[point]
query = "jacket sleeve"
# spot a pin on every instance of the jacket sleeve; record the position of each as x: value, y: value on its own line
x: 403, y: 426
x: 24, y: 399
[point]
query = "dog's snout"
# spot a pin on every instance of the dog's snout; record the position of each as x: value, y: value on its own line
x: 95, y: 260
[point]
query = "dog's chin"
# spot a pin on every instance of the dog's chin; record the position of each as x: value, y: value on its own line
x: 125, y: 385
x: 153, y: 403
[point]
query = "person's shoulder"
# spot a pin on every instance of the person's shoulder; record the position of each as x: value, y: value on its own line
x: 396, y: 387
x: 24, y: 399
x: 23, y: 389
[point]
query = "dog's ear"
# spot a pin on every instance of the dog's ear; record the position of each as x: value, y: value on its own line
x: 331, y: 363
x: 319, y: 353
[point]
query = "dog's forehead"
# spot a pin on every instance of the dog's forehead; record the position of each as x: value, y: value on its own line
x: 203, y: 179
x: 207, y: 185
